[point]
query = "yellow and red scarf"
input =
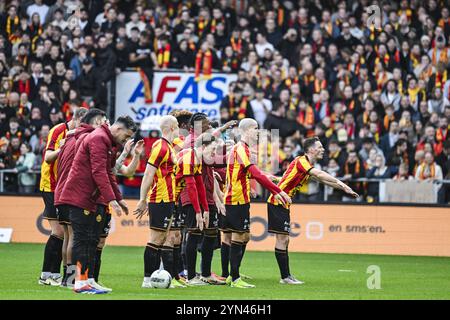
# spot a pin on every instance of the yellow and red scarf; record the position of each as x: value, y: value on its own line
x: 203, y: 63
x: 164, y: 56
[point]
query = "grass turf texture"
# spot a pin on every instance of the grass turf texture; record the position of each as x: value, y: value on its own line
x: 122, y: 269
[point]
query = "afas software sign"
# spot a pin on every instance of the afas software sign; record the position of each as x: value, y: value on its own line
x: 421, y: 231
x: 170, y: 90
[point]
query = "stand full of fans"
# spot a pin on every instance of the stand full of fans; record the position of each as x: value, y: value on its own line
x: 378, y: 98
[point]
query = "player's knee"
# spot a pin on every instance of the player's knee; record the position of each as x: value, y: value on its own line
x: 282, y: 241
x: 238, y: 237
x: 170, y: 240
x: 226, y: 238
x: 157, y: 237
x: 57, y: 229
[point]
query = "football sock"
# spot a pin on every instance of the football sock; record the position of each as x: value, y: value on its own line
x: 98, y: 263
x: 50, y: 254
x: 235, y: 258
x: 167, y: 259
x: 225, y: 259
x: 151, y: 259
x: 244, y: 246
x: 207, y: 254
x: 191, y: 253
x: 282, y: 261
x: 58, y: 244
x: 287, y: 262
x: 177, y: 264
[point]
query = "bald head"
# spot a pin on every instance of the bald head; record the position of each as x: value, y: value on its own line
x: 167, y: 122
x: 247, y: 123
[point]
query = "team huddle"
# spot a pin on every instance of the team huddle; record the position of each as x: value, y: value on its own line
x: 196, y: 191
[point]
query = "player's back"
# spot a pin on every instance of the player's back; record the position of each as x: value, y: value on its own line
x: 237, y: 176
x: 296, y: 175
x: 162, y: 157
x: 48, y: 170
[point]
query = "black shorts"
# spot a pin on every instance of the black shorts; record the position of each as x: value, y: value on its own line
x: 81, y: 217
x: 223, y: 223
x: 213, y: 218
x: 178, y: 218
x: 63, y: 213
x: 279, y: 219
x: 104, y: 220
x: 191, y: 221
x: 161, y: 215
x: 50, y: 209
x: 238, y: 218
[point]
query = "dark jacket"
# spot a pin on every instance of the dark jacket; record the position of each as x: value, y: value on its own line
x: 66, y: 157
x: 91, y: 173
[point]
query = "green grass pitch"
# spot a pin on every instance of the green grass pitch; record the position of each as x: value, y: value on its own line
x: 326, y: 276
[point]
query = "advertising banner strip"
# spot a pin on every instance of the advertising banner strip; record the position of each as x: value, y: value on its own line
x: 394, y: 230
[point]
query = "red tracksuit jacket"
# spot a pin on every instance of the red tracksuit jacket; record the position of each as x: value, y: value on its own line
x: 91, y: 173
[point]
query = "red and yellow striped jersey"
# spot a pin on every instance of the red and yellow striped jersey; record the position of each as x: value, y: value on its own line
x: 294, y: 178
x: 188, y: 164
x: 162, y: 157
x: 178, y: 143
x: 237, y: 190
x: 48, y: 170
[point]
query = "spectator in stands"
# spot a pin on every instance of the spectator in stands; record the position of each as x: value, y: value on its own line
x: 352, y: 169
x: 379, y: 171
x: 429, y: 170
x: 403, y: 173
x: 332, y: 75
x: 27, y: 181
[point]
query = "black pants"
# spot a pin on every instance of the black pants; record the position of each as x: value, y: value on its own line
x: 86, y: 236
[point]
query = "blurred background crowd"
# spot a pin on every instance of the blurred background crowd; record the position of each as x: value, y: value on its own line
x: 376, y: 94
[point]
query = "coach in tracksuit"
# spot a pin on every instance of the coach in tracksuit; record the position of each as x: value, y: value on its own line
x: 91, y: 176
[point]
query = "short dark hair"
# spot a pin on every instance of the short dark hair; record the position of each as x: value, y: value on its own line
x: 92, y: 114
x: 309, y: 142
x: 127, y: 122
x: 183, y: 116
x: 79, y: 113
x: 198, y: 116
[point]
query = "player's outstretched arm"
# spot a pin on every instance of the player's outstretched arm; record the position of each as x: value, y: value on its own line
x: 331, y: 181
x: 269, y: 185
x: 147, y: 181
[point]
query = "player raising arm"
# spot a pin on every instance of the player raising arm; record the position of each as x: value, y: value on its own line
x: 297, y: 175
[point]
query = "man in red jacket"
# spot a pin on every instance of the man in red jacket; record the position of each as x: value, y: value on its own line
x: 93, y: 119
x: 90, y: 176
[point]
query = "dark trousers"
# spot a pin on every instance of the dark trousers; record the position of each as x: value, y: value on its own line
x: 86, y: 236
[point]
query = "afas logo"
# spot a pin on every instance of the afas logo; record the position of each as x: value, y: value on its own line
x: 188, y: 93
x: 170, y: 91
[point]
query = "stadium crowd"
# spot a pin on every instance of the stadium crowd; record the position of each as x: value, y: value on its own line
x: 376, y: 95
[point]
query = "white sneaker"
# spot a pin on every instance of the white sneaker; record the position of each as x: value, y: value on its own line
x: 49, y: 282
x: 147, y: 284
x: 95, y: 285
x: 196, y: 282
x: 291, y: 280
